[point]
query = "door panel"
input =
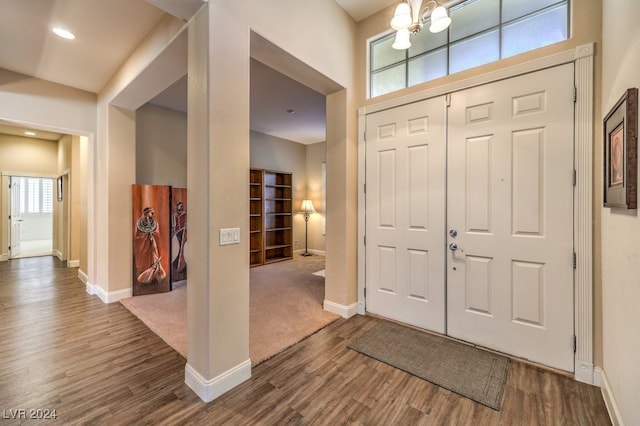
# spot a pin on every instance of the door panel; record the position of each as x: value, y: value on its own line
x: 510, y: 199
x: 405, y: 173
x: 16, y: 219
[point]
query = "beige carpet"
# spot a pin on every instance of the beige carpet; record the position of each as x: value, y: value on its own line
x: 285, y: 307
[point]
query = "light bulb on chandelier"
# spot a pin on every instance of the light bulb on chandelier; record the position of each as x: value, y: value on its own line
x: 410, y: 16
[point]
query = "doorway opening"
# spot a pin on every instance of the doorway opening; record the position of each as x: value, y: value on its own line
x: 31, y: 216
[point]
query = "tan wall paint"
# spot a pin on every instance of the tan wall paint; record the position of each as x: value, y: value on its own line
x: 83, y: 155
x: 48, y: 105
x: 22, y: 155
x: 218, y: 330
x: 586, y: 27
x: 620, y: 229
x: 61, y: 211
x: 75, y: 194
x: 161, y: 146
x: 121, y: 166
x: 316, y: 156
x: 110, y: 256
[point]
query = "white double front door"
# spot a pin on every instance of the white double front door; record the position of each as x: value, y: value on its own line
x: 469, y: 215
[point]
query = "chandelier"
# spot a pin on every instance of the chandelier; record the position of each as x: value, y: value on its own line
x: 410, y: 17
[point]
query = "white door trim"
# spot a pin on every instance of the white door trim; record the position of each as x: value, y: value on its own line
x: 582, y: 56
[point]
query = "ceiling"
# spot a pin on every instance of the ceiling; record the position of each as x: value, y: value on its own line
x: 109, y: 30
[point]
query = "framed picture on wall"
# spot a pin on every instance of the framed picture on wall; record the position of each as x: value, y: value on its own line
x: 620, y: 152
x: 59, y: 188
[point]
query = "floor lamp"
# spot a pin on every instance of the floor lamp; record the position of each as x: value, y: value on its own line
x: 307, y: 209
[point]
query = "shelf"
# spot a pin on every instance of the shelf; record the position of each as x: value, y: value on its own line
x: 271, y: 216
x: 277, y: 246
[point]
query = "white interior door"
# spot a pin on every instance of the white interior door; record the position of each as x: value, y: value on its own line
x: 510, y: 202
x: 16, y: 219
x: 405, y: 175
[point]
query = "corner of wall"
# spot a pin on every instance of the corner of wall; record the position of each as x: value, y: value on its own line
x: 342, y: 310
x: 210, y: 389
x: 610, y: 401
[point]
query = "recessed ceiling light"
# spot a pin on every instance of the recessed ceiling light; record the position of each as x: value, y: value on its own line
x: 30, y: 133
x: 291, y: 111
x: 61, y: 32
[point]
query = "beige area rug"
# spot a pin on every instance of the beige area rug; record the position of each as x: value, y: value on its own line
x: 165, y: 314
x: 285, y: 307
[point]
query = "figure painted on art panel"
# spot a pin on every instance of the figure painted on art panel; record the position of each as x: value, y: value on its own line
x: 148, y: 266
x: 179, y: 263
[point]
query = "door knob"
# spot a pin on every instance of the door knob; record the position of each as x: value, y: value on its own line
x: 453, y: 247
x: 453, y: 232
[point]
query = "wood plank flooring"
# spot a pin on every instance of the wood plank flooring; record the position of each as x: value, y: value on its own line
x: 63, y: 350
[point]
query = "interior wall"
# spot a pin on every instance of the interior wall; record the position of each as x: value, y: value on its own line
x: 23, y: 155
x: 273, y: 153
x: 61, y: 215
x: 75, y: 194
x: 161, y: 146
x: 585, y: 27
x: 110, y: 256
x: 219, y: 91
x: 316, y: 157
x: 620, y: 228
x: 83, y: 193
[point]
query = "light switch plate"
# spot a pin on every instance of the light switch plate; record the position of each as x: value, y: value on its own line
x: 229, y: 236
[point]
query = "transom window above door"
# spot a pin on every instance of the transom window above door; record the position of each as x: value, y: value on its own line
x: 481, y: 31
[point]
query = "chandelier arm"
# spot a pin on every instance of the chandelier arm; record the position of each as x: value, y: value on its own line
x: 427, y: 9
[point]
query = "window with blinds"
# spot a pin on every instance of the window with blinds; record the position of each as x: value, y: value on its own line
x: 36, y: 195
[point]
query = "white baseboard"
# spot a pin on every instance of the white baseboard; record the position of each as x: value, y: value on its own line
x: 312, y: 251
x: 111, y: 296
x: 59, y: 255
x: 83, y: 276
x: 210, y: 389
x: 597, y: 377
x: 73, y: 263
x: 584, y: 372
x: 4, y: 257
x: 610, y: 402
x: 342, y: 310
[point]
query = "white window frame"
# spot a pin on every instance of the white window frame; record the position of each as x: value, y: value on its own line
x: 389, y: 31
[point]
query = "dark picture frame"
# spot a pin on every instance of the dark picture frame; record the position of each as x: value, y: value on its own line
x: 620, y: 175
x: 59, y: 181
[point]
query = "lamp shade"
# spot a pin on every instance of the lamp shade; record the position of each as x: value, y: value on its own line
x: 402, y: 18
x: 402, y: 40
x: 307, y: 207
x: 439, y: 20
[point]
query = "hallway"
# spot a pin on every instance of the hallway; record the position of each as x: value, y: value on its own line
x: 65, y: 350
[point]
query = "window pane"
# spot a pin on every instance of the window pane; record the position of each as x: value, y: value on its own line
x: 33, y: 193
x: 389, y: 80
x: 382, y: 54
x: 23, y: 195
x: 471, y: 52
x: 474, y: 17
x: 512, y: 9
x: 47, y: 195
x: 428, y: 67
x: 543, y: 29
x: 425, y: 40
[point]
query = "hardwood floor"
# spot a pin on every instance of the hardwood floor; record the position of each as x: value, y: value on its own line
x: 92, y: 363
